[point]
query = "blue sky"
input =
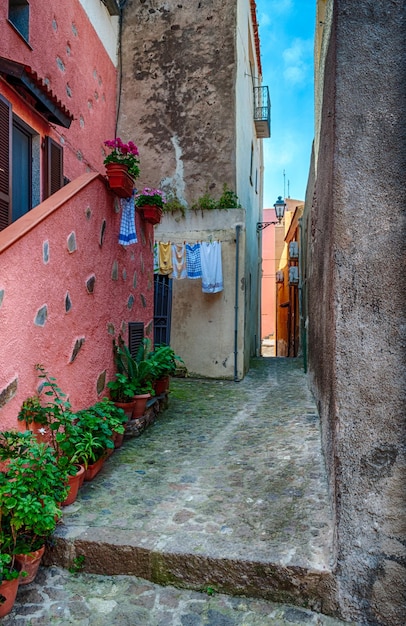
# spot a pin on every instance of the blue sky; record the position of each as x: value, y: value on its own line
x: 286, y: 32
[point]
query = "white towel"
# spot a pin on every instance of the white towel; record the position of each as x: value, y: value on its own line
x: 212, y: 270
x: 127, y: 234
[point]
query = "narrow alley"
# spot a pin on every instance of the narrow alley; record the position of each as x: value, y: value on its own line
x: 225, y: 493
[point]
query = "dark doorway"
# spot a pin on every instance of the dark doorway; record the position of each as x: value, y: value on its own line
x: 162, y: 309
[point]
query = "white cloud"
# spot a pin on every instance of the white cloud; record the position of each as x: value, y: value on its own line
x: 268, y: 12
x: 298, y: 61
x: 281, y: 6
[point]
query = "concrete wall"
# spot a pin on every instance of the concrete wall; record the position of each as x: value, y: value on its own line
x: 356, y: 278
x: 203, y: 326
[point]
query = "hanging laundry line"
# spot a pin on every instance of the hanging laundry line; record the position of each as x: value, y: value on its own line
x: 200, y: 260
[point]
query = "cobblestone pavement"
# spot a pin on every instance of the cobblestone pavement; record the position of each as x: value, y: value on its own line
x: 225, y: 492
x: 59, y: 598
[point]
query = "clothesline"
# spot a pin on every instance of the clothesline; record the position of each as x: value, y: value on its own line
x: 200, y: 260
x: 197, y: 241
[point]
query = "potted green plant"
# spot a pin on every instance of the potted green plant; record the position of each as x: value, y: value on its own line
x: 150, y: 203
x: 63, y: 434
x: 31, y: 488
x: 9, y: 581
x: 135, y: 375
x: 165, y: 362
x: 114, y: 417
x: 95, y: 427
x: 35, y: 418
x: 122, y: 166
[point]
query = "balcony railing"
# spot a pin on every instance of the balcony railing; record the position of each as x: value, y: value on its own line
x: 262, y: 112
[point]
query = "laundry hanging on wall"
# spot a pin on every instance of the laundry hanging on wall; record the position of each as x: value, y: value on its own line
x: 179, y: 270
x: 212, y: 271
x: 127, y: 233
x: 165, y: 258
x: 191, y: 260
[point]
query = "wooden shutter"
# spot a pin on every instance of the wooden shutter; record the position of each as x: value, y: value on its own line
x: 135, y: 337
x: 5, y: 159
x: 53, y: 167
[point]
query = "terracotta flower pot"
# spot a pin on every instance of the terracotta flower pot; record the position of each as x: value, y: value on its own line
x: 8, y: 589
x: 128, y: 408
x: 93, y: 469
x: 151, y: 213
x: 119, y: 179
x: 74, y: 486
x: 118, y: 439
x: 140, y: 405
x: 29, y: 563
x: 161, y: 386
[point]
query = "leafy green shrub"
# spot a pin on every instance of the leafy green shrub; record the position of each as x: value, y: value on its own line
x: 32, y: 485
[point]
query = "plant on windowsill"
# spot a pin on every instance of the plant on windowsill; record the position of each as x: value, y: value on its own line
x: 122, y: 166
x: 174, y: 205
x: 150, y: 203
x: 227, y: 200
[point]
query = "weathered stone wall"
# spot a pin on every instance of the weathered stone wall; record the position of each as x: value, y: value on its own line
x: 356, y: 292
x: 178, y: 97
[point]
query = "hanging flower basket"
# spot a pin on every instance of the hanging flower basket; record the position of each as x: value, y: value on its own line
x: 119, y: 179
x: 151, y: 213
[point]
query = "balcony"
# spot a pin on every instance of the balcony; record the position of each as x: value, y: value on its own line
x: 262, y: 112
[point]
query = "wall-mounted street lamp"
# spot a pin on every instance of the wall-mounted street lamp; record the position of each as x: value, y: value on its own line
x: 279, y: 207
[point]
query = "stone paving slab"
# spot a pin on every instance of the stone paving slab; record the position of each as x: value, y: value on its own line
x: 59, y: 598
x: 226, y: 488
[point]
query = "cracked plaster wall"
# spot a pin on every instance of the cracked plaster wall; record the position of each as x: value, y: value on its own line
x: 178, y: 97
x: 356, y: 278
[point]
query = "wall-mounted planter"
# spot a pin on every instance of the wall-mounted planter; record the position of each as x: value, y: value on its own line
x: 151, y: 213
x: 119, y: 179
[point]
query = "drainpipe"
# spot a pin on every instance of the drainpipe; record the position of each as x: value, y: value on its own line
x: 236, y: 304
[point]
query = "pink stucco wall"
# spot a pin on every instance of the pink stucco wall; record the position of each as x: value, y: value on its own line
x: 65, y: 51
x: 268, y: 285
x: 123, y: 292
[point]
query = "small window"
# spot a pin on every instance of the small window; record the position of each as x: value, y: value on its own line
x: 19, y: 16
x: 53, y: 170
x: 135, y: 337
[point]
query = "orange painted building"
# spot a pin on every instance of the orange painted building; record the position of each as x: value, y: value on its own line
x: 288, y: 283
x: 268, y: 285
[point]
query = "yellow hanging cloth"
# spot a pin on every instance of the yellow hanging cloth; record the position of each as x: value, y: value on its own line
x: 165, y: 258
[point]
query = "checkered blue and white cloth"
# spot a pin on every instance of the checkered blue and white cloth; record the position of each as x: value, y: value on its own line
x: 193, y: 262
x: 127, y: 234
